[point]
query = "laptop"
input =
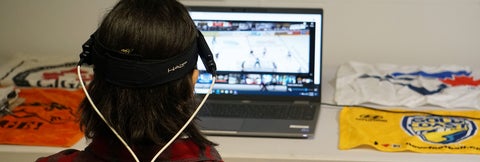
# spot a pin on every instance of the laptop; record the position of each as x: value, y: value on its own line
x: 268, y: 71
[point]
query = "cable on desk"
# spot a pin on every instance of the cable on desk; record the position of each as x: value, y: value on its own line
x: 401, y: 111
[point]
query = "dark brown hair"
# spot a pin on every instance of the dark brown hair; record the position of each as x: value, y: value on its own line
x: 154, y: 29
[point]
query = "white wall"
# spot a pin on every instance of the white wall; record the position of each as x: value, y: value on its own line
x: 47, y: 27
x: 427, y: 32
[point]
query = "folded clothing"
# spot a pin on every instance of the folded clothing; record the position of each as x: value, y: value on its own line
x: 447, y: 86
x: 44, y: 73
x: 9, y: 99
x: 48, y: 117
x: 392, y: 130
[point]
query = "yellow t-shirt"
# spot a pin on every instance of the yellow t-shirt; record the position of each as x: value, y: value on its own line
x: 432, y: 131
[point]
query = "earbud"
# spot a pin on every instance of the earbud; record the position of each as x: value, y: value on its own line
x: 86, y: 55
x: 206, y: 55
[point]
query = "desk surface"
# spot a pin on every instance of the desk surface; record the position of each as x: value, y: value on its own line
x: 320, y: 148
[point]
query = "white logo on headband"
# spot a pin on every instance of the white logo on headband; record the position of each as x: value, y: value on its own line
x: 179, y: 66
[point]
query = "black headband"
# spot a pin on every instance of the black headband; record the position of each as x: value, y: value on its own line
x: 134, y: 71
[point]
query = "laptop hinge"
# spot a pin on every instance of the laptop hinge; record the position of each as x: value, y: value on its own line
x: 301, y: 102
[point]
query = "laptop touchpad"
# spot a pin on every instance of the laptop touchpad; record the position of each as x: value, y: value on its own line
x: 225, y: 124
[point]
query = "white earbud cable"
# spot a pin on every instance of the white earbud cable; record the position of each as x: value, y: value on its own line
x: 188, y: 122
x: 121, y: 139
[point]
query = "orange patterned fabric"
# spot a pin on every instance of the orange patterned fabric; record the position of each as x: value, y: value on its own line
x: 48, y: 117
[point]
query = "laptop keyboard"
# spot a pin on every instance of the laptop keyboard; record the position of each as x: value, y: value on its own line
x: 259, y: 111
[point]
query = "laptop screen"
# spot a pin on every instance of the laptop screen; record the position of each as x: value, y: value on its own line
x: 261, y: 52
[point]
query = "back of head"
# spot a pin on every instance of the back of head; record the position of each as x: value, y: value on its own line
x: 152, y: 29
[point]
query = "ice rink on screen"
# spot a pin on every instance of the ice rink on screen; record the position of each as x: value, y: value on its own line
x: 259, y: 51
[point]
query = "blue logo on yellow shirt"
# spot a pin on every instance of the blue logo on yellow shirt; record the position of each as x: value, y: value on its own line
x: 439, y: 129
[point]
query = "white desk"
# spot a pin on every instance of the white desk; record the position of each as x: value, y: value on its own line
x: 321, y: 148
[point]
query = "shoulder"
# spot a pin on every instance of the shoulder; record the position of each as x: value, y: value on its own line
x: 187, y: 150
x: 70, y: 155
x: 62, y: 156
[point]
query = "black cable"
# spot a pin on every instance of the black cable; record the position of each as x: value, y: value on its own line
x: 402, y: 111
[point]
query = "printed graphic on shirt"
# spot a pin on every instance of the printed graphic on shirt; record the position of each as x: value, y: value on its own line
x: 439, y: 129
x: 52, y: 76
x: 52, y: 112
x: 441, y: 80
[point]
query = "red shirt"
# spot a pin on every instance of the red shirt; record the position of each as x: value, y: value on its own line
x: 182, y: 150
